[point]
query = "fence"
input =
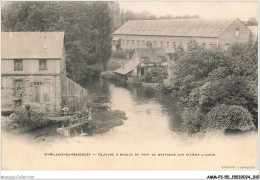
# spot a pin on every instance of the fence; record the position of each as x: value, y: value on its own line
x: 73, y: 95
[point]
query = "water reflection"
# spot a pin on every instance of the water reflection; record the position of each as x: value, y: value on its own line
x: 141, y: 104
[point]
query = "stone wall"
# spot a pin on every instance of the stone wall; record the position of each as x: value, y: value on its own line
x: 10, y: 95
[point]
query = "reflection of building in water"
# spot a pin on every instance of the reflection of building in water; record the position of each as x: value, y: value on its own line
x: 34, y: 71
x: 173, y: 33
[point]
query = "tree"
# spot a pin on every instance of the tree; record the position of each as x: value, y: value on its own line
x: 251, y: 22
x: 87, y: 27
x: 210, y: 81
x: 101, y: 28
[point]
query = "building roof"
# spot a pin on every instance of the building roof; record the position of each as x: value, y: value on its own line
x: 253, y: 29
x: 175, y: 27
x: 128, y: 67
x: 153, y: 55
x: 32, y: 45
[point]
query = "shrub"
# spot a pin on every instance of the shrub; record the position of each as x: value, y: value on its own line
x: 219, y: 73
x: 119, y: 54
x: 159, y: 74
x: 28, y: 119
x: 92, y: 72
x: 193, y: 123
x: 109, y: 75
x: 148, y: 77
x: 202, y: 79
x: 229, y: 117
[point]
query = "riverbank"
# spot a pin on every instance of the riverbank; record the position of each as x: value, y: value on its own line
x: 110, y: 76
x: 102, y: 121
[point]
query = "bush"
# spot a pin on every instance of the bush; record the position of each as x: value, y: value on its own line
x: 229, y: 117
x: 193, y: 123
x: 28, y: 119
x: 109, y: 75
x: 119, y: 54
x: 202, y: 79
x: 219, y: 73
x: 156, y: 75
x: 93, y: 72
x: 159, y: 74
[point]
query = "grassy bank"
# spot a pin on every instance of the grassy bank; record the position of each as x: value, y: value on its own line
x: 38, y: 126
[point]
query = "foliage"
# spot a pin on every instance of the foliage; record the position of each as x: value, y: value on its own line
x: 106, y: 120
x: 229, y: 117
x: 193, y: 123
x: 109, y: 75
x: 124, y: 16
x: 119, y: 54
x: 156, y: 75
x: 28, y: 119
x: 251, y: 22
x: 204, y: 79
x: 87, y: 27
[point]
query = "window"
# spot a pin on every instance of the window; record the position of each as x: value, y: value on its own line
x: 174, y: 45
x: 142, y: 71
x: 237, y: 32
x: 155, y: 44
x: 143, y: 43
x: 123, y: 41
x: 137, y: 43
x: 127, y: 42
x: 168, y: 44
x: 145, y: 59
x: 18, y: 84
x: 133, y: 42
x: 180, y: 45
x: 161, y: 44
x: 46, y: 93
x: 203, y: 45
x: 18, y: 65
x: 42, y: 92
x: 211, y: 45
x: 18, y: 103
x: 162, y: 58
x: 42, y: 64
x: 188, y: 46
x: 226, y: 46
x: 149, y: 44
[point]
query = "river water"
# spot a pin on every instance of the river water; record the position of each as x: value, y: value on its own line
x: 148, y: 111
x: 152, y: 124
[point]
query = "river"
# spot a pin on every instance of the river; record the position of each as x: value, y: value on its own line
x: 148, y: 111
x: 152, y: 124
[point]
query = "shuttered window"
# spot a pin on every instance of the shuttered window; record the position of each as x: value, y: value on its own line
x: 46, y: 93
x: 18, y: 65
x: 37, y: 93
x: 42, y: 92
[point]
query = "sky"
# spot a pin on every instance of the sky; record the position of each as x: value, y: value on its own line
x: 242, y: 9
